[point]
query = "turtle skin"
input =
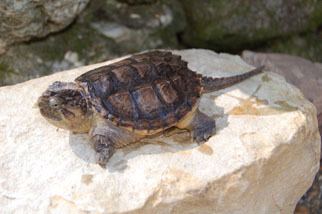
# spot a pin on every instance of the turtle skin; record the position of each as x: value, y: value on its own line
x: 150, y: 91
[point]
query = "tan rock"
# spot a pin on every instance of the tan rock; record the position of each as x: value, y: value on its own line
x: 261, y: 160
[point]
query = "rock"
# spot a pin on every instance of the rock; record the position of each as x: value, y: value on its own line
x: 235, y: 25
x: 74, y: 47
x: 261, y: 160
x: 105, y: 30
x: 304, y: 74
x: 140, y: 26
x: 24, y: 19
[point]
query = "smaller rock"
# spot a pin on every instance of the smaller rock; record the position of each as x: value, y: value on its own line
x: 113, y: 30
x: 72, y: 57
x: 138, y: 26
x: 24, y: 20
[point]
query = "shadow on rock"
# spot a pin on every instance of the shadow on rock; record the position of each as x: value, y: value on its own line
x: 170, y: 141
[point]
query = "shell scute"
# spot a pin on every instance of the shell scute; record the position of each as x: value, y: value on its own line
x: 168, y: 94
x: 144, y: 94
x: 123, y: 74
x: 144, y: 70
x: 122, y: 104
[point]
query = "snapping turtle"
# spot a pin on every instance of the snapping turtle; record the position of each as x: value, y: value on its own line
x: 123, y: 102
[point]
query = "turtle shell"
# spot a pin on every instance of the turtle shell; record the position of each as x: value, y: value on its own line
x: 149, y: 91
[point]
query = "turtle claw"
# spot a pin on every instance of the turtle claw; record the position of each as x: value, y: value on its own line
x: 104, y: 148
x: 202, y: 134
x: 103, y: 157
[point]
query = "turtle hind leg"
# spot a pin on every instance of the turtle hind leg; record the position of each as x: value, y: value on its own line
x: 201, y: 126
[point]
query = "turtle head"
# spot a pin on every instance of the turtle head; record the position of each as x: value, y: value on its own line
x: 64, y: 106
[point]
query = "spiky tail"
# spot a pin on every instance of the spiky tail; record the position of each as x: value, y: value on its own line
x: 210, y: 84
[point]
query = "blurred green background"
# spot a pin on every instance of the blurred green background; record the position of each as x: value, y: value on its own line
x: 41, y: 37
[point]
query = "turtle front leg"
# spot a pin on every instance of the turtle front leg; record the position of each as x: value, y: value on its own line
x: 104, y: 147
x: 201, y: 126
x: 107, y: 137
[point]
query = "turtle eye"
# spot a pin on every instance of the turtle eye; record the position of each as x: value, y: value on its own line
x: 55, y: 102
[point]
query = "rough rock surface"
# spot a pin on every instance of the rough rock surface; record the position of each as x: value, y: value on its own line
x: 261, y: 160
x: 236, y: 24
x: 21, y: 20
